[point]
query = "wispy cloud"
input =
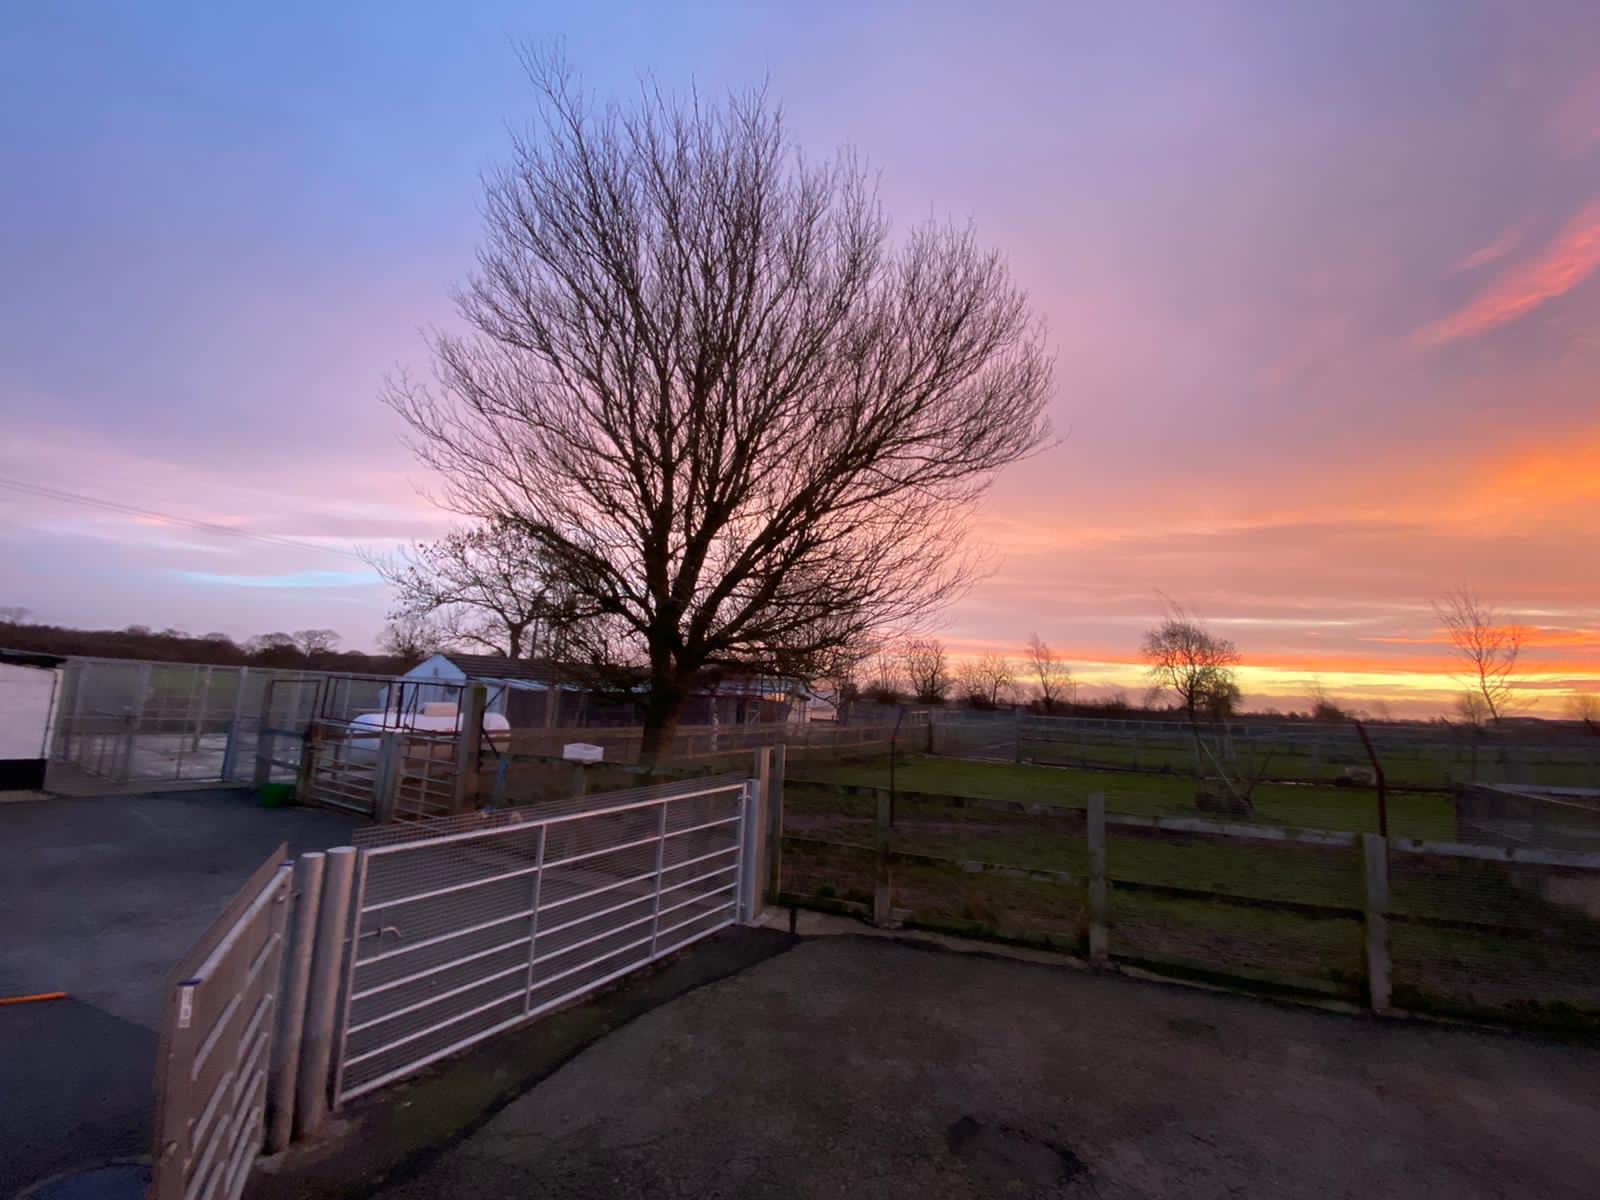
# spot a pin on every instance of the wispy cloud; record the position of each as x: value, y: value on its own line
x: 1493, y: 252
x: 291, y: 579
x: 1571, y: 259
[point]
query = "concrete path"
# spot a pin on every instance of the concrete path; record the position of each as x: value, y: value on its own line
x: 857, y: 1067
x: 99, y: 897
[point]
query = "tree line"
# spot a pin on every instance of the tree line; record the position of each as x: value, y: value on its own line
x: 309, y: 649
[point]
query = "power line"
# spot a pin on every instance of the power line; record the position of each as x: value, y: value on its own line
x: 50, y: 493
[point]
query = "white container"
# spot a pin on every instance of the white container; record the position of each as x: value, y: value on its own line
x: 582, y: 752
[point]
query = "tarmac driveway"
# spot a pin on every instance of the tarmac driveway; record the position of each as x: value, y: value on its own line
x: 99, y: 897
x: 859, y: 1067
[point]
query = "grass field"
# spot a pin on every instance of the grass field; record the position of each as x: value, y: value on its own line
x: 1421, y: 765
x: 1469, y: 937
x: 1426, y: 815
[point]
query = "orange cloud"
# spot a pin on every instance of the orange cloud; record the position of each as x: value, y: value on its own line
x: 1574, y: 256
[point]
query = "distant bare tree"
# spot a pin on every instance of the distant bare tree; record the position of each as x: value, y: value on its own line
x: 884, y: 681
x: 1323, y: 706
x: 412, y: 637
x: 926, y: 669
x: 1471, y: 709
x: 1585, y: 707
x: 1487, y: 645
x: 727, y: 409
x: 1051, y: 677
x: 14, y: 614
x: 486, y: 587
x: 986, y: 681
x: 273, y: 650
x: 315, y: 643
x: 1186, y: 658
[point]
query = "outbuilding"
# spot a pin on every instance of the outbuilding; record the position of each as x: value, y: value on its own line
x: 29, y: 684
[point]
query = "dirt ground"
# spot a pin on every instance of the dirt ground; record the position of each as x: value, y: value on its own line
x: 850, y: 1066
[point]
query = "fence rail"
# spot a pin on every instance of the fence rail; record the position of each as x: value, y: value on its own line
x: 1509, y: 934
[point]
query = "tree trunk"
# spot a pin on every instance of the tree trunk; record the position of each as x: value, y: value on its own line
x: 669, y: 688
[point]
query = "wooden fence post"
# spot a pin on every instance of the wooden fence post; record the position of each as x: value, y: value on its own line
x: 774, y: 819
x: 1099, y: 888
x: 1375, y: 864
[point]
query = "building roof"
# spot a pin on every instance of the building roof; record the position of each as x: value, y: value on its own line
x: 497, y: 666
x: 30, y: 658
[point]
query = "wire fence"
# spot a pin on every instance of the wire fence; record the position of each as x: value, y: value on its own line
x: 1431, y: 756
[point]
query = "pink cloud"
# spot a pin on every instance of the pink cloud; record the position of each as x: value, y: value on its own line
x: 1493, y: 252
x: 1571, y: 259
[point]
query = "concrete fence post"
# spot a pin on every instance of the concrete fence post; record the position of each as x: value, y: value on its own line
x: 761, y: 862
x: 320, y: 1029
x: 386, y: 779
x: 750, y: 826
x: 1375, y: 871
x: 1099, y: 885
x: 292, y: 1000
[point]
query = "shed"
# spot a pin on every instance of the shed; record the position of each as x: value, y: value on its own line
x: 29, y: 683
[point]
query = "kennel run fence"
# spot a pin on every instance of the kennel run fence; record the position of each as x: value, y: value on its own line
x: 121, y: 722
x: 1413, y: 755
x: 422, y: 940
x: 1487, y: 932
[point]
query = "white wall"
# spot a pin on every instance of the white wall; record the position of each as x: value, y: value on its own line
x: 25, y: 695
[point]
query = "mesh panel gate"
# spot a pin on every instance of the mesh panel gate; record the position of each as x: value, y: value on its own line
x: 467, y: 926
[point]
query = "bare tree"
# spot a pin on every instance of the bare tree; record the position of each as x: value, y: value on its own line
x: 987, y: 680
x: 927, y: 670
x: 14, y: 614
x: 314, y: 643
x: 1471, y: 709
x: 485, y: 587
x: 1323, y: 706
x: 1051, y: 677
x: 1198, y: 666
x: 728, y: 411
x: 412, y: 637
x: 1487, y: 644
x: 884, y: 679
x: 1186, y: 658
x: 1585, y: 707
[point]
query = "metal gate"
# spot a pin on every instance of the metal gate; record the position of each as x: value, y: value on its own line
x: 216, y: 1045
x: 469, y: 925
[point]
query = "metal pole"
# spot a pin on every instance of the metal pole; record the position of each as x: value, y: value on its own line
x: 1377, y: 773
x: 292, y: 1006
x: 322, y: 999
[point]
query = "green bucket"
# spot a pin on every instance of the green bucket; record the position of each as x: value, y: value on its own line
x: 276, y: 795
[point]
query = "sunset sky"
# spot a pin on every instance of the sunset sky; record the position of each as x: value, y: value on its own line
x: 1321, y: 287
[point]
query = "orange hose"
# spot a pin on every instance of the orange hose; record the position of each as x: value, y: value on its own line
x: 31, y: 999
